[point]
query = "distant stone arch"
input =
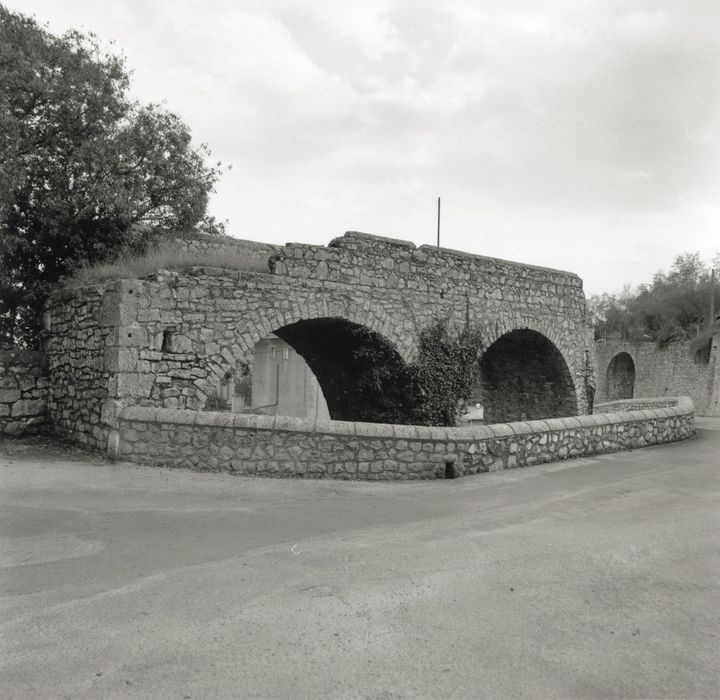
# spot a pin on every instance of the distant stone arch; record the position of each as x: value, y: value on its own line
x: 524, y: 376
x: 620, y: 377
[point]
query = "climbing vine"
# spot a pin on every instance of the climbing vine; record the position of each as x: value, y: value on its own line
x: 447, y: 368
x: 363, y: 377
x: 430, y: 391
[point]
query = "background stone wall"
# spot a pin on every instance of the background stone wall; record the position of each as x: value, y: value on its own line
x: 23, y: 392
x: 293, y: 447
x: 671, y: 371
x: 168, y: 340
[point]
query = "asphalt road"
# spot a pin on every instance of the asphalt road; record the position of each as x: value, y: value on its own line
x: 589, y: 578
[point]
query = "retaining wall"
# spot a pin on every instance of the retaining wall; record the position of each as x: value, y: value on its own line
x: 670, y: 371
x: 279, y: 446
x: 23, y: 392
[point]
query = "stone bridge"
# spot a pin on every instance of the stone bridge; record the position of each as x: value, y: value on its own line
x: 166, y: 341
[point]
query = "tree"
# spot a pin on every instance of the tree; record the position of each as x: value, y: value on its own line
x: 85, y: 171
x: 675, y: 305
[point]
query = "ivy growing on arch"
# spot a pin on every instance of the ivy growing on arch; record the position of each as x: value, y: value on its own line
x: 447, y: 368
x: 430, y: 391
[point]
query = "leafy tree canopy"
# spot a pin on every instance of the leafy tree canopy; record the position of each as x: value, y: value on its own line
x: 84, y: 170
x: 675, y: 305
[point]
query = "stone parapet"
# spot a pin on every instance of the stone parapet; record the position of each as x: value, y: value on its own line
x: 293, y: 447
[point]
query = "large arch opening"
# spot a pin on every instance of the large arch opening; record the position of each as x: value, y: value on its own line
x: 523, y: 376
x: 361, y: 374
x: 621, y: 377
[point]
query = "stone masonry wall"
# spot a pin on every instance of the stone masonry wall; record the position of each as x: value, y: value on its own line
x: 175, y: 335
x: 226, y: 245
x: 671, y: 371
x: 83, y: 346
x: 23, y: 392
x: 292, y: 447
x: 630, y: 405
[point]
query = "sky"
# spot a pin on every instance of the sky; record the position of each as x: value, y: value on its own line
x: 577, y: 134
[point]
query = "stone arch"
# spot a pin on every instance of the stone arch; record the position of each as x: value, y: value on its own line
x: 357, y: 368
x: 525, y: 376
x: 338, y: 318
x: 571, y: 353
x: 620, y: 377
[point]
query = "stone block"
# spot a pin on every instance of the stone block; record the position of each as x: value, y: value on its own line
x: 132, y: 384
x: 183, y: 417
x: 117, y: 310
x: 554, y: 424
x: 501, y: 430
x: 145, y: 414
x: 335, y: 427
x: 120, y: 359
x: 29, y: 407
x: 9, y: 395
x: 406, y: 432
x: 129, y: 336
x: 292, y: 424
x: 374, y: 430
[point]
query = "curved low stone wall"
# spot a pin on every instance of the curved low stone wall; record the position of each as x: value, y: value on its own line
x: 280, y: 446
x: 636, y: 404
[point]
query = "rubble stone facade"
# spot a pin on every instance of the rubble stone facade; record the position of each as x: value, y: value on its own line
x: 23, y: 392
x: 670, y: 371
x: 292, y: 447
x: 165, y: 342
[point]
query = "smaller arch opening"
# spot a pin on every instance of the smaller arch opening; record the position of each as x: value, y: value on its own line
x: 449, y: 470
x: 620, y: 377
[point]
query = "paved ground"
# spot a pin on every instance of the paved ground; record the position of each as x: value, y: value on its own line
x: 593, y: 578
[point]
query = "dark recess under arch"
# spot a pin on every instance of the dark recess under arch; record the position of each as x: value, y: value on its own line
x: 523, y: 376
x: 361, y: 374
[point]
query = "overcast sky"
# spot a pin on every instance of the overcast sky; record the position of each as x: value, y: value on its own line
x: 577, y: 134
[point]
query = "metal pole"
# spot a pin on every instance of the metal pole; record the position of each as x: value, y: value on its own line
x: 712, y: 298
x: 438, y: 236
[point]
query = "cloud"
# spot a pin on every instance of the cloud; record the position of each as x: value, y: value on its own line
x: 567, y: 132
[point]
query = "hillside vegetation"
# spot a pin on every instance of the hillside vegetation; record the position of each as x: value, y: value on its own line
x: 674, y: 306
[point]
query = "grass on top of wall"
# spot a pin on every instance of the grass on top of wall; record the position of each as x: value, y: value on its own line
x: 167, y: 255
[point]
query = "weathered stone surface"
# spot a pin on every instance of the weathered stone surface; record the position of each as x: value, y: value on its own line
x: 217, y: 442
x: 640, y: 369
x: 10, y: 395
x: 29, y: 407
x: 23, y: 392
x: 185, y: 330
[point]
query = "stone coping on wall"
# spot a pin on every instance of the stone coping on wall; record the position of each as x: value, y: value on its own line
x: 433, y: 251
x: 672, y: 406
x: 639, y: 404
x: 286, y: 446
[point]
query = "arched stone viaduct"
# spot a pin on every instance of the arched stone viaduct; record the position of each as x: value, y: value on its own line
x: 166, y: 340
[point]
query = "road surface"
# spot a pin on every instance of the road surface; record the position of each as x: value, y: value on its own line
x: 588, y: 578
